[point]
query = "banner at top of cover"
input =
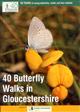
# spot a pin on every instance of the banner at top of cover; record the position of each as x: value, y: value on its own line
x: 45, y: 2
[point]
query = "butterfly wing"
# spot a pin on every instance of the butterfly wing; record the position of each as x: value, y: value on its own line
x: 42, y: 51
x: 35, y: 26
x: 42, y: 40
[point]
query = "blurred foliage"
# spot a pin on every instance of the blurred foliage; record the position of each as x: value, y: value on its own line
x: 64, y: 23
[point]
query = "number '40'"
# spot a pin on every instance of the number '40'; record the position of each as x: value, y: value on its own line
x: 7, y: 78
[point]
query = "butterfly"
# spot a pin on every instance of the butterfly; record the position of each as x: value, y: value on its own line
x: 39, y: 37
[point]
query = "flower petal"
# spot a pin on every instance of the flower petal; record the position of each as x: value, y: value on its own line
x: 51, y: 58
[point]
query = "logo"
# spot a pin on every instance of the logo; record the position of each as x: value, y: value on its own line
x: 10, y: 6
x: 39, y: 109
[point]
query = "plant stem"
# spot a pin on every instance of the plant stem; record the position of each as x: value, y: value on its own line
x: 77, y: 88
x: 68, y: 47
x: 11, y: 51
x: 11, y: 30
